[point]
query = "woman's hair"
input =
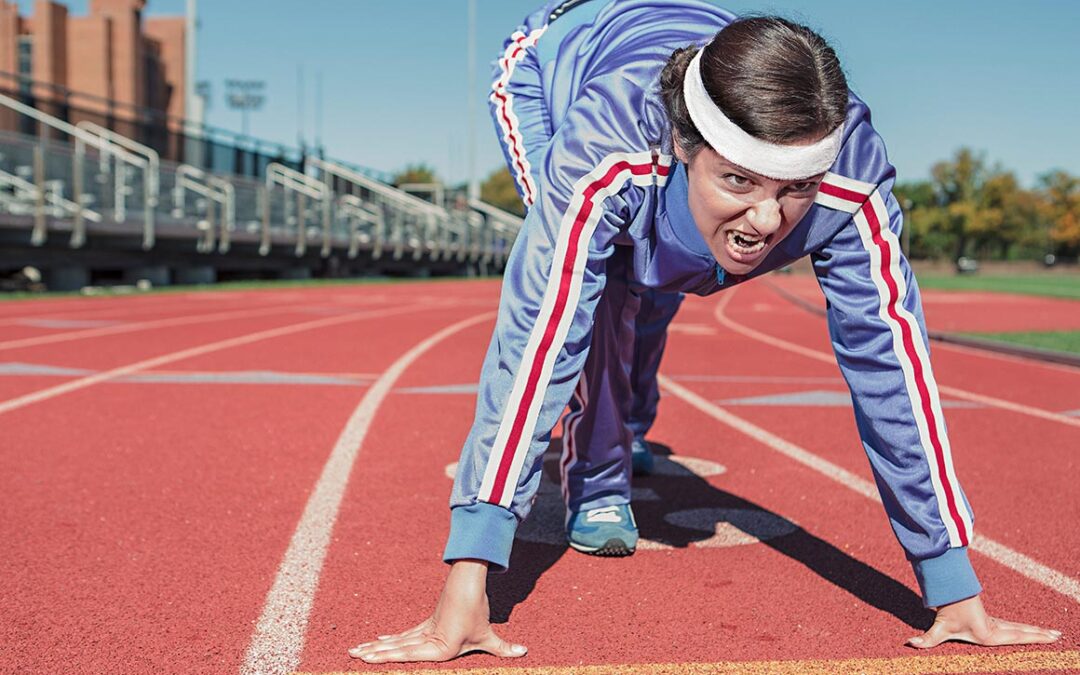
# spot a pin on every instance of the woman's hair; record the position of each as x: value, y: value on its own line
x: 778, y: 81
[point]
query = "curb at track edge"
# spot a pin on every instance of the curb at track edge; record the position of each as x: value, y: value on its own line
x: 1034, y: 353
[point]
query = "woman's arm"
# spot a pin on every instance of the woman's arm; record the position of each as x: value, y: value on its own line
x: 553, y: 281
x: 879, y: 337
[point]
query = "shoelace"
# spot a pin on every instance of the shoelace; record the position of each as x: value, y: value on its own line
x: 604, y: 514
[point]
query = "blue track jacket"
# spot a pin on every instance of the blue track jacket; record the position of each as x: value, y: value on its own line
x: 575, y: 101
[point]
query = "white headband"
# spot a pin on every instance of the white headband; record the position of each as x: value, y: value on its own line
x: 782, y: 162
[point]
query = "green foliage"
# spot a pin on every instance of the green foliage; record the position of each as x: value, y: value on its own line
x: 416, y: 173
x: 1047, y: 284
x: 498, y: 190
x: 1056, y: 340
x: 969, y: 208
x: 1061, y: 209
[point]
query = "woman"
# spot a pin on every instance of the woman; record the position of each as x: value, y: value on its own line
x: 651, y: 165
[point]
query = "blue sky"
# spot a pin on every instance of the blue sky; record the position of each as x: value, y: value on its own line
x: 1003, y: 78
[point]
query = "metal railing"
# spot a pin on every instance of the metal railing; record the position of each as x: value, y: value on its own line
x: 109, y: 150
x: 502, y: 229
x: 303, y: 187
x: 215, y: 191
x: 413, y: 222
x: 46, y: 200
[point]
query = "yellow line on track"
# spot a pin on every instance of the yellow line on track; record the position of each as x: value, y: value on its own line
x: 1016, y: 662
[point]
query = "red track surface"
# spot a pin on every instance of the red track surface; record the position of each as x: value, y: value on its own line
x: 145, y: 522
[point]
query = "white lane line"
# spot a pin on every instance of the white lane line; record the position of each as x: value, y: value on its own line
x: 278, y: 640
x: 142, y: 325
x: 112, y: 307
x: 826, y: 357
x: 90, y: 380
x: 279, y: 305
x: 999, y: 553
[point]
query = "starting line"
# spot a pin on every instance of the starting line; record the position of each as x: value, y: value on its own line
x: 1015, y: 662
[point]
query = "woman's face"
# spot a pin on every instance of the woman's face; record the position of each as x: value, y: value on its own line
x: 743, y: 215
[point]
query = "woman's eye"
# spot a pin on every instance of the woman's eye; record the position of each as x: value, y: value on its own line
x: 805, y: 186
x: 736, y: 181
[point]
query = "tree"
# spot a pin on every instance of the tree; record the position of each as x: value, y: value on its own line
x: 498, y: 190
x: 922, y: 217
x: 1059, y: 205
x: 416, y: 173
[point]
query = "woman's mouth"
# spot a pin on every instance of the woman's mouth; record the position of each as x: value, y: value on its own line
x: 745, y: 247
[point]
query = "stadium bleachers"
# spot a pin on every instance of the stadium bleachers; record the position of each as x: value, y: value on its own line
x: 78, y: 198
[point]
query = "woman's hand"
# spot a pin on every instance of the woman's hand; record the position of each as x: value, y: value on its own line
x: 461, y: 623
x: 967, y: 621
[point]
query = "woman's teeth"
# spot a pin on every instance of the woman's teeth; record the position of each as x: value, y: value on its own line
x: 745, y: 243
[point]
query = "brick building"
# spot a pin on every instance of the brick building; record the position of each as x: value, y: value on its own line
x: 112, y: 60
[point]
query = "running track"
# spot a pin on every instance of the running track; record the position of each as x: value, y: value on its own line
x: 254, y: 481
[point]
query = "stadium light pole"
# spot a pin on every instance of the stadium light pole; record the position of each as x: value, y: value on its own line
x: 189, y: 53
x: 474, y: 188
x: 194, y: 109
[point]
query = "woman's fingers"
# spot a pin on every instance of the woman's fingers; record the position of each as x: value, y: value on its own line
x: 997, y: 633
x: 937, y: 634
x: 380, y: 646
x: 1028, y: 628
x: 1006, y: 635
x: 493, y: 644
x: 425, y: 649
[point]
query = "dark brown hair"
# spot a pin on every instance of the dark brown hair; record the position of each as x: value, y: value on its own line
x: 777, y: 80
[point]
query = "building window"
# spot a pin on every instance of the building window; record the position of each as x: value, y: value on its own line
x: 26, y: 63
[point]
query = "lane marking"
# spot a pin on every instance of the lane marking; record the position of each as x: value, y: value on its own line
x: 141, y: 325
x: 130, y: 305
x: 278, y: 640
x: 825, y: 357
x: 146, y: 364
x: 819, y: 398
x: 1015, y: 662
x: 261, y: 377
x: 996, y: 551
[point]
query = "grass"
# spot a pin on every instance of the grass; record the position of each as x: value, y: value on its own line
x: 107, y: 292
x: 1051, y: 285
x: 1057, y: 340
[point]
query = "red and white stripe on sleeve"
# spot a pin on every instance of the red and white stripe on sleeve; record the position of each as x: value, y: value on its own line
x: 504, y: 110
x: 867, y: 206
x: 556, y: 313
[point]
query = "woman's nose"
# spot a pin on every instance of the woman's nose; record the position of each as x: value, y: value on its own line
x: 765, y: 216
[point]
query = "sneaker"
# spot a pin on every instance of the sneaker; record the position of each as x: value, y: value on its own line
x: 641, y: 458
x: 608, y: 530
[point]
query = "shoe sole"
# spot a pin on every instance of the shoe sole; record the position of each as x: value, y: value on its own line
x: 612, y: 548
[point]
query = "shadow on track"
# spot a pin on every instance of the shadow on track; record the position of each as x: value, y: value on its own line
x: 691, y: 512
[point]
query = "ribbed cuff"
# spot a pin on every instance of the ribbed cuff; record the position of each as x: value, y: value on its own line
x: 947, y: 578
x: 481, y: 531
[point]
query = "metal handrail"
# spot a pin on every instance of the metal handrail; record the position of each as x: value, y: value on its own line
x: 351, y: 205
x: 78, y: 233
x: 215, y: 189
x: 499, y: 221
x: 383, y: 190
x: 36, y: 193
x: 304, y: 186
x: 152, y: 186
